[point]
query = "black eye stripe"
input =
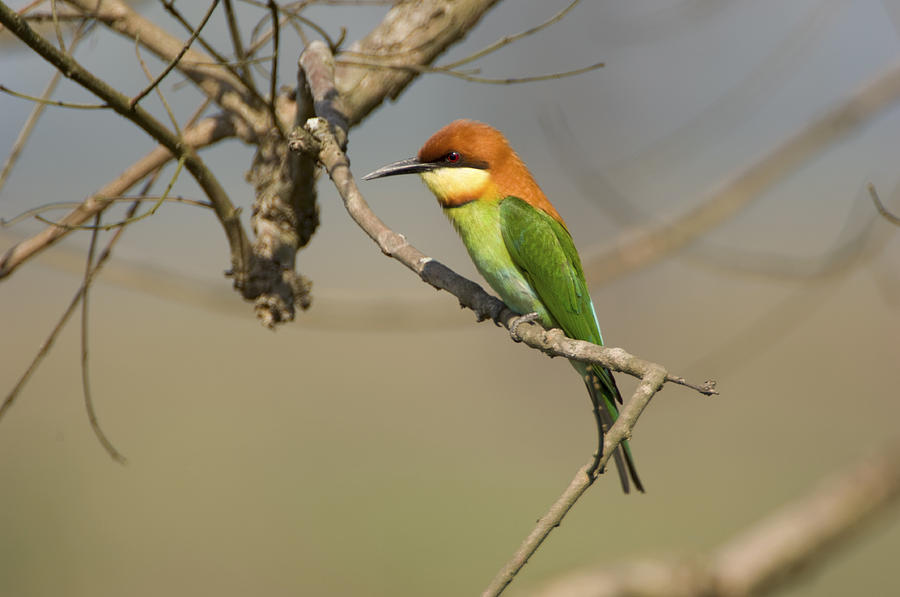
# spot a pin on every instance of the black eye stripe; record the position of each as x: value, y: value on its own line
x: 454, y: 159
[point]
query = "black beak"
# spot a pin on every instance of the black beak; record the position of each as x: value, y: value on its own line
x: 407, y: 166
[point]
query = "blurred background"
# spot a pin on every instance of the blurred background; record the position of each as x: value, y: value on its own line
x: 386, y: 444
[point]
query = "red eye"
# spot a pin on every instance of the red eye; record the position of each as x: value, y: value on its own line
x: 452, y: 157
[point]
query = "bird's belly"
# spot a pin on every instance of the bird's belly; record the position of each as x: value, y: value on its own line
x: 478, y: 224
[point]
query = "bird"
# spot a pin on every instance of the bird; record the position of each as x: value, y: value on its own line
x: 521, y: 246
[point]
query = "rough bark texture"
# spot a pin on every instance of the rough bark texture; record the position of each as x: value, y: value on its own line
x: 412, y: 33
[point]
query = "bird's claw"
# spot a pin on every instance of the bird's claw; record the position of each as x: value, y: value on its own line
x: 595, y: 469
x: 514, y: 325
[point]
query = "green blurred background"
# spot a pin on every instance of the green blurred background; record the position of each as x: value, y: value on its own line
x: 385, y: 443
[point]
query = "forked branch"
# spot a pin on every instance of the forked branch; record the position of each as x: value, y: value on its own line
x: 228, y: 216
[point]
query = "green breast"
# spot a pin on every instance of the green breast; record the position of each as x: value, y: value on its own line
x: 478, y: 224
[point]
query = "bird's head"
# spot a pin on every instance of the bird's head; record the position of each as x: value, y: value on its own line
x: 468, y: 161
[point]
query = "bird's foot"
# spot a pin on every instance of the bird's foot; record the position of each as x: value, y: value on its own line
x: 514, y: 326
x: 595, y: 470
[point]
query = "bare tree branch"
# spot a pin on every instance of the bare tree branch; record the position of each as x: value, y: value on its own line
x: 505, y: 41
x: 225, y: 211
x: 89, y: 267
x: 422, y: 28
x: 220, y: 85
x: 285, y: 212
x: 652, y: 379
x: 327, y: 146
x: 217, y: 58
x: 36, y: 112
x: 467, y: 76
x: 655, y: 241
x: 773, y: 552
x: 174, y: 62
x: 206, y: 132
x: 45, y: 347
x: 43, y: 101
x: 236, y: 44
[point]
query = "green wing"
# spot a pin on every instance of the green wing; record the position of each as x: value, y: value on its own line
x: 543, y: 249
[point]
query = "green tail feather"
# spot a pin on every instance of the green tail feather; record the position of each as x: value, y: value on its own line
x: 603, y: 390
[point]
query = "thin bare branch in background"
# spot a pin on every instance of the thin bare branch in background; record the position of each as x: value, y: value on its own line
x: 293, y: 16
x: 505, y: 41
x: 130, y: 218
x: 465, y: 76
x: 56, y: 28
x: 643, y: 246
x: 66, y: 17
x: 225, y: 211
x: 92, y: 269
x: 887, y: 215
x: 159, y: 93
x: 651, y: 382
x: 37, y: 211
x: 237, y: 45
x: 49, y: 102
x: 377, y: 61
x: 216, y: 59
x: 31, y: 121
x: 273, y: 75
x: 219, y: 84
x: 174, y: 62
x: 45, y: 347
x: 85, y: 367
x: 206, y: 132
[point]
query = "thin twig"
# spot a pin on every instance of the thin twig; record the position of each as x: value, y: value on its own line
x: 505, y: 41
x: 225, y: 211
x: 440, y: 70
x: 887, y: 215
x: 218, y: 60
x: 197, y: 134
x: 85, y: 369
x: 37, y: 110
x: 45, y: 347
x: 652, y: 379
x: 36, y: 211
x: 130, y: 219
x: 159, y: 93
x: 176, y: 59
x: 39, y: 17
x: 206, y: 132
x: 237, y: 45
x: 50, y: 102
x: 222, y: 86
x: 273, y: 76
x: 56, y: 27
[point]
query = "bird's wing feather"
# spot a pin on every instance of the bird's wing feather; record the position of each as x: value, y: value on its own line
x: 543, y: 249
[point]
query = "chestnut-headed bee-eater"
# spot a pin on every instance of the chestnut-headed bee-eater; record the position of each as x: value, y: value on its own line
x: 520, y: 244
